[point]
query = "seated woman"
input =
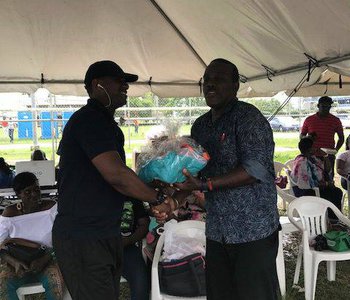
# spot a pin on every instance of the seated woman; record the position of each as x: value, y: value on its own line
x: 343, y: 164
x: 6, y: 175
x: 308, y: 172
x: 23, y: 223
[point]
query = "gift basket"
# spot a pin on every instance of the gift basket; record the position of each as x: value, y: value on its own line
x: 166, y: 157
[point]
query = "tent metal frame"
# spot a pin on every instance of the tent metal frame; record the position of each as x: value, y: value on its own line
x: 301, y: 67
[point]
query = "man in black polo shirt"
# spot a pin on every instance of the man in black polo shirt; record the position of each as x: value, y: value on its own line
x: 93, y: 184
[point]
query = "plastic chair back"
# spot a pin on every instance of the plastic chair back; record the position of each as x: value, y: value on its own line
x: 289, y: 164
x: 313, y: 214
x: 285, y: 194
x: 279, y: 167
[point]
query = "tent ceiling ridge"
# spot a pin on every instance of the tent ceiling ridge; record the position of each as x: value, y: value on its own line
x: 300, y: 67
x: 58, y: 81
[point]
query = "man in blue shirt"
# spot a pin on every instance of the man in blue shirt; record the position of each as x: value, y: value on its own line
x: 241, y: 201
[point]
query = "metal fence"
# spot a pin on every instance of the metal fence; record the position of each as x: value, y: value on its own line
x: 40, y: 126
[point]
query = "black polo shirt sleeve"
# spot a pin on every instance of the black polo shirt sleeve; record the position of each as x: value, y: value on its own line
x: 95, y: 137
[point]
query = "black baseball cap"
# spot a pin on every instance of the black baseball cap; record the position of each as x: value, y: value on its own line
x: 107, y: 68
x: 326, y: 100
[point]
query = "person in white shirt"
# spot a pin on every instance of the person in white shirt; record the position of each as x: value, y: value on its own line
x: 26, y: 223
x: 11, y: 130
x: 343, y: 164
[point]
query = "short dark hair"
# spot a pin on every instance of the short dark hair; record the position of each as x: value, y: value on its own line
x: 305, y: 144
x: 235, y: 74
x: 4, y: 166
x: 23, y: 180
x: 38, y: 155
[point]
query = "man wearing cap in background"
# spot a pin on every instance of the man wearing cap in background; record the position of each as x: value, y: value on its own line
x: 93, y: 182
x: 323, y: 126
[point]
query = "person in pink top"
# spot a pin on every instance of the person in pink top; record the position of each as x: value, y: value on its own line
x: 323, y: 126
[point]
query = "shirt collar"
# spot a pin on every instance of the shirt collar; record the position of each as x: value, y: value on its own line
x: 318, y: 115
x: 99, y: 106
x: 227, y: 109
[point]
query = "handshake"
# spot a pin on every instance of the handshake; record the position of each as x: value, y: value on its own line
x: 171, y: 196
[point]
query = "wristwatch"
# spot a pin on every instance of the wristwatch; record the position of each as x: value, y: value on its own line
x: 159, y: 199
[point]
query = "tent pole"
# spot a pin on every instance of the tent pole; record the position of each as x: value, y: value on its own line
x: 35, y: 120
x: 165, y: 16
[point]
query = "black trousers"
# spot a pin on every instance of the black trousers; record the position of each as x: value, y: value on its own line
x: 331, y: 158
x: 90, y: 268
x: 244, y: 271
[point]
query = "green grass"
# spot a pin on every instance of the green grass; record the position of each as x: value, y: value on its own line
x: 285, y: 155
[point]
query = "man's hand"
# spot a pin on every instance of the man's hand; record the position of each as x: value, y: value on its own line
x: 190, y: 184
x: 166, y: 188
x: 164, y: 210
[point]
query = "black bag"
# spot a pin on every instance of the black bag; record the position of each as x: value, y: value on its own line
x: 183, y: 277
x: 23, y: 253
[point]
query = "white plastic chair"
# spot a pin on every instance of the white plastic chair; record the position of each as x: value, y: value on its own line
x: 29, y: 289
x: 313, y: 216
x: 286, y: 195
x: 185, y: 226
x: 287, y: 227
x: 279, y: 168
x: 188, y: 225
x: 36, y: 288
x: 289, y: 164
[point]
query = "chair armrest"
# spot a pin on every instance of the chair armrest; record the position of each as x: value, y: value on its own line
x: 317, y: 191
x: 292, y: 183
x: 155, y: 276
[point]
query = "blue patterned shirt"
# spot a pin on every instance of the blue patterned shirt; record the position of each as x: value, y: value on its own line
x: 241, y: 136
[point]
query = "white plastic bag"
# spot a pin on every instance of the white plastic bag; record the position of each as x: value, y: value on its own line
x: 178, y: 245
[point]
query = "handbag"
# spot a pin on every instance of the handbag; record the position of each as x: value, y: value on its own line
x: 338, y: 241
x: 183, y: 277
x: 24, y: 253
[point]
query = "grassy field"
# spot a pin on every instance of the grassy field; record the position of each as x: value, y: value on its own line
x: 286, y: 144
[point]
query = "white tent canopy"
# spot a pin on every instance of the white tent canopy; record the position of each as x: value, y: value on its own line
x: 168, y: 43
